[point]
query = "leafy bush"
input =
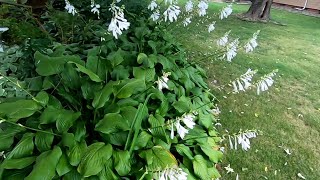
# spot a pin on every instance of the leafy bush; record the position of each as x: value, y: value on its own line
x: 96, y: 112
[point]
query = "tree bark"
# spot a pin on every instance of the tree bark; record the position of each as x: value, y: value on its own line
x: 259, y: 10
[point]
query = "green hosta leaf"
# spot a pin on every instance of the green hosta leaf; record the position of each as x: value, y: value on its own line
x: 63, y: 166
x: 158, y: 158
x: 45, y: 166
x: 7, y: 134
x: 47, y: 65
x: 111, y: 123
x: 157, y: 127
x: 115, y: 58
x: 200, y: 167
x: 43, y: 141
x: 183, y: 105
x: 128, y: 113
x: 24, y: 147
x: 94, y: 77
x: 68, y: 140
x: 145, y: 74
x: 107, y: 172
x: 43, y: 98
x: 18, y: 163
x: 97, y: 64
x: 70, y: 77
x: 184, y: 151
x: 129, y: 87
x: 94, y: 159
x: 142, y: 57
x: 122, y: 162
x: 120, y: 72
x: 101, y: 97
x: 127, y: 102
x: 206, y: 120
x: 19, y: 109
x: 213, y: 173
x: 214, y: 155
x: 142, y: 140
x: 72, y: 175
x: 76, y: 153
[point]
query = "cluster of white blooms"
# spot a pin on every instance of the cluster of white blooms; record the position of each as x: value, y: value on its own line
x: 265, y: 82
x: 215, y: 111
x: 243, y: 139
x: 155, y: 15
x: 231, y: 51
x: 211, y: 26
x: 163, y: 81
x: 172, y: 13
x: 95, y: 8
x: 2, y: 29
x: 118, y: 22
x: 153, y: 5
x: 244, y: 81
x: 174, y: 173
x: 224, y: 39
x: 225, y: 12
x: 70, y: 8
x: 252, y: 43
x: 189, y: 6
x: 187, y: 21
x: 188, y: 120
x: 203, y: 6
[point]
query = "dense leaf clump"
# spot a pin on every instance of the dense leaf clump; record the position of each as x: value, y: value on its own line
x: 95, y: 111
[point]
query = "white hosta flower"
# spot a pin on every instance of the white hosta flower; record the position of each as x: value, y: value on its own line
x: 70, y: 8
x: 229, y: 169
x: 244, y: 81
x: 172, y: 13
x: 95, y: 8
x: 203, y: 6
x: 155, y: 15
x: 231, y: 50
x: 223, y: 40
x: 211, y: 26
x: 189, y: 6
x: 243, y: 139
x: 244, y: 142
x: 163, y: 81
x: 172, y: 174
x: 215, y: 111
x: 265, y: 82
x: 252, y: 43
x: 118, y: 22
x: 188, y: 120
x: 153, y: 5
x: 182, y: 131
x: 225, y: 12
x: 187, y: 21
x: 3, y: 29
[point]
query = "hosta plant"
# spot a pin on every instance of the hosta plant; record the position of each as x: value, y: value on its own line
x: 132, y: 109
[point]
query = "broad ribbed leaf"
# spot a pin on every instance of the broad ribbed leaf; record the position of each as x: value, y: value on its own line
x: 43, y: 141
x: 94, y: 77
x: 142, y: 57
x: 184, y: 151
x: 214, y: 155
x: 94, y: 158
x: 111, y: 123
x: 63, y: 166
x: 18, y: 163
x: 7, y: 134
x: 101, y: 97
x: 158, y: 158
x: 115, y: 58
x: 157, y: 127
x: 122, y: 162
x: 107, y: 172
x: 76, y: 153
x: 142, y: 140
x: 24, y: 147
x: 129, y: 87
x: 47, y: 65
x: 72, y: 175
x: 43, y: 98
x: 200, y: 167
x: 45, y: 166
x: 18, y: 109
x: 145, y: 74
x: 183, y: 105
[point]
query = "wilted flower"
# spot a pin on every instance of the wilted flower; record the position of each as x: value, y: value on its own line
x: 172, y: 13
x: 118, y: 22
x: 70, y: 8
x: 211, y: 26
x: 153, y: 5
x: 189, y: 6
x: 225, y: 12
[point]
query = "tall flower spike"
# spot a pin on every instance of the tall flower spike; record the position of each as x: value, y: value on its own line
x: 189, y: 6
x: 70, y: 8
x: 231, y: 51
x: 118, y: 22
x: 153, y: 5
x: 187, y: 21
x: 243, y: 139
x: 244, y: 81
x: 95, y: 8
x: 252, y: 43
x: 155, y: 15
x: 172, y: 13
x: 182, y: 131
x: 223, y: 40
x: 211, y: 26
x: 265, y: 82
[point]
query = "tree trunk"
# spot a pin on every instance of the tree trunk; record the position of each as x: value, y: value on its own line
x: 259, y: 10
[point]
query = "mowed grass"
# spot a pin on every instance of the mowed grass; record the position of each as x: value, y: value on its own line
x: 288, y: 114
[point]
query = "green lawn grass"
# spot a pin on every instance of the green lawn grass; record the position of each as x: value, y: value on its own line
x: 289, y: 113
